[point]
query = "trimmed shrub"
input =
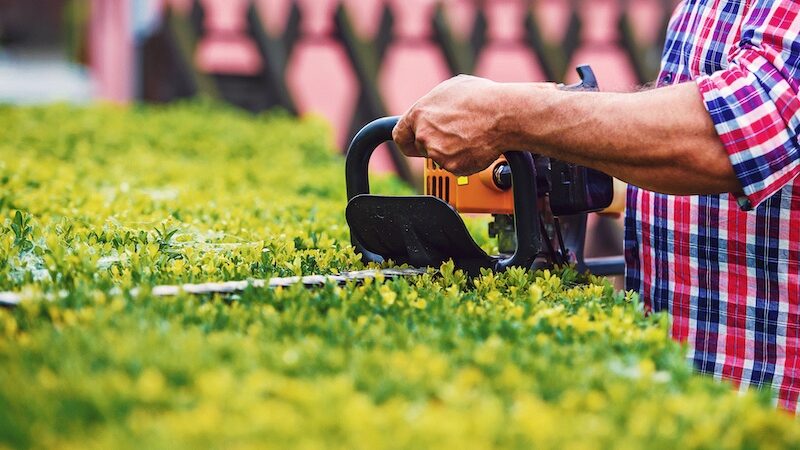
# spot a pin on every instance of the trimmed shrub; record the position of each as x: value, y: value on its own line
x: 96, y: 201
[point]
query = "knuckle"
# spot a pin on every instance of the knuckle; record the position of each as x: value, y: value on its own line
x: 402, y: 133
x: 397, y: 135
x: 401, y: 122
x: 452, y: 166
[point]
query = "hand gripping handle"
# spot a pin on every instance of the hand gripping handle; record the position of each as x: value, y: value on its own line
x: 523, y: 175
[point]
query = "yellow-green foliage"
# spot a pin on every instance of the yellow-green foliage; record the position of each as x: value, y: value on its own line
x: 109, y: 199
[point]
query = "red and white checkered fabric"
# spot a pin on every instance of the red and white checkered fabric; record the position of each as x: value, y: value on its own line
x: 727, y: 267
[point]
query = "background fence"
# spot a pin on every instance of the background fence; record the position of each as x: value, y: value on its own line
x: 347, y: 60
x: 354, y: 60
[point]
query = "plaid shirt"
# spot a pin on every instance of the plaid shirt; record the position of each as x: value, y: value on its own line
x: 727, y: 267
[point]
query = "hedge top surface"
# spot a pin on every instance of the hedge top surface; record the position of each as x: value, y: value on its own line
x: 95, y: 201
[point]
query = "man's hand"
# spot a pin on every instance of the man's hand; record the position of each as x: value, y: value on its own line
x: 457, y: 125
x: 462, y: 124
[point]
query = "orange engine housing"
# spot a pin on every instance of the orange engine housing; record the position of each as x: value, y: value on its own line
x: 473, y: 194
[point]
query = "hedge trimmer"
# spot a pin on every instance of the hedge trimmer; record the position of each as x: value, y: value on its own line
x: 539, y: 208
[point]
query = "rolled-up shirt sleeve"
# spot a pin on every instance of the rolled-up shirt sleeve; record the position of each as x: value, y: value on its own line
x: 754, y: 102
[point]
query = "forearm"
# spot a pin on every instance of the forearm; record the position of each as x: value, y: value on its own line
x: 661, y: 140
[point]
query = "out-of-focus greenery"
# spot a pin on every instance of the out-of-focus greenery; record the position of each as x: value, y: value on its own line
x: 97, y: 201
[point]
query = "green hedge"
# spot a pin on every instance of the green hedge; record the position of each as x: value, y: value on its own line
x: 96, y: 201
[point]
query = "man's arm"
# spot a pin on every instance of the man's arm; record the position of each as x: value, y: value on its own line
x: 661, y: 140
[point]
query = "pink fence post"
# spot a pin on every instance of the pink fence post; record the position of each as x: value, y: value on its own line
x: 647, y: 19
x: 506, y: 57
x: 226, y: 48
x: 319, y: 75
x: 365, y: 15
x: 111, y: 50
x: 273, y: 14
x: 460, y: 16
x: 600, y: 47
x: 413, y: 64
x: 553, y: 18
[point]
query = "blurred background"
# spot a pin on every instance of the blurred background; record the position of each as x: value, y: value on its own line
x: 347, y: 60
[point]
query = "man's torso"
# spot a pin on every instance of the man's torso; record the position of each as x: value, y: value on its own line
x: 729, y: 279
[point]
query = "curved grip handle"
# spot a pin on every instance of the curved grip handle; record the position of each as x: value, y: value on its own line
x: 523, y: 175
x: 356, y: 168
x: 526, y: 211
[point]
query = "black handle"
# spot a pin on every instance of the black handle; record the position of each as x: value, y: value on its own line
x: 356, y: 168
x: 526, y: 211
x: 588, y: 80
x: 523, y: 174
